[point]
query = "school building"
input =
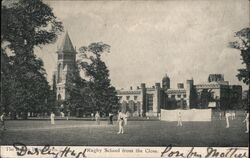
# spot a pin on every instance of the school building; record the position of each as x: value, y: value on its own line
x: 147, y: 101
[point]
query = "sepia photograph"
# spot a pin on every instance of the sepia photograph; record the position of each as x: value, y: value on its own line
x: 166, y: 77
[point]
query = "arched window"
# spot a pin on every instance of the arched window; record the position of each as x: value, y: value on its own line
x: 59, y: 70
x: 59, y: 97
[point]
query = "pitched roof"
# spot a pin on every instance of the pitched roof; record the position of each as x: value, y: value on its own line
x: 66, y: 45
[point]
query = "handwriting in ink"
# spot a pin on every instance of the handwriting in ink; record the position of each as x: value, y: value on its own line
x: 23, y: 150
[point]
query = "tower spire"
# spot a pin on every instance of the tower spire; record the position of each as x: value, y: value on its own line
x: 66, y: 45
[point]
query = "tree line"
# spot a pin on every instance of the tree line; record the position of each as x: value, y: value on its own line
x: 25, y: 24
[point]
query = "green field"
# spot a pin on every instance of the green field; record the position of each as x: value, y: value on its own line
x: 137, y: 133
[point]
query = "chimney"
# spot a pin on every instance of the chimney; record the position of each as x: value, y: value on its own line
x: 143, y: 85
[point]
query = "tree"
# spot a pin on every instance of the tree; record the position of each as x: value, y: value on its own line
x: 243, y: 44
x: 25, y: 89
x: 102, y: 93
x: 24, y: 25
x: 5, y: 70
x: 79, y: 94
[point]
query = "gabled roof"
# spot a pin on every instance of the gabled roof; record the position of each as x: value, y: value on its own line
x: 66, y: 45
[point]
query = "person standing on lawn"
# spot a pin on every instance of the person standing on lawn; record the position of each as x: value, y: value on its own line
x: 125, y: 117
x: 227, y: 119
x: 120, y: 120
x: 2, y: 119
x: 92, y: 116
x: 220, y: 115
x: 247, y: 122
x: 233, y: 115
x: 52, y: 118
x: 179, y: 119
x: 68, y: 114
x: 97, y: 118
x: 111, y: 118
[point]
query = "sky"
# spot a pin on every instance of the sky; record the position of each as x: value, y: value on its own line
x: 148, y: 39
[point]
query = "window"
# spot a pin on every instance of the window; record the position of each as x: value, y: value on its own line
x: 60, y: 56
x: 135, y: 107
x: 127, y: 97
x: 184, y: 96
x: 59, y: 97
x: 135, y: 97
x: 179, y: 96
x: 150, y: 102
x: 172, y: 96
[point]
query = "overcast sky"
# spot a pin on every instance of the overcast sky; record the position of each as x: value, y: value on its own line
x: 151, y: 38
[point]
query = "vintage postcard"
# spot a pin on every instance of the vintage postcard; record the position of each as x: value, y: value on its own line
x: 146, y: 78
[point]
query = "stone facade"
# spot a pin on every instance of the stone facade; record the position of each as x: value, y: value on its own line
x: 149, y: 100
x: 142, y: 100
x: 65, y: 68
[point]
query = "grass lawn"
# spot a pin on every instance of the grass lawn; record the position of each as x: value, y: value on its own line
x: 137, y: 133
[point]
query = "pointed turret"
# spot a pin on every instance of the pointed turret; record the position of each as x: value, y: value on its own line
x: 166, y: 82
x: 66, y: 45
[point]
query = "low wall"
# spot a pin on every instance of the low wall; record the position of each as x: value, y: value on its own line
x: 187, y: 115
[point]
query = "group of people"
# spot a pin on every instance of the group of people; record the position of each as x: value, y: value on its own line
x: 227, y: 115
x: 233, y: 116
x: 121, y: 119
